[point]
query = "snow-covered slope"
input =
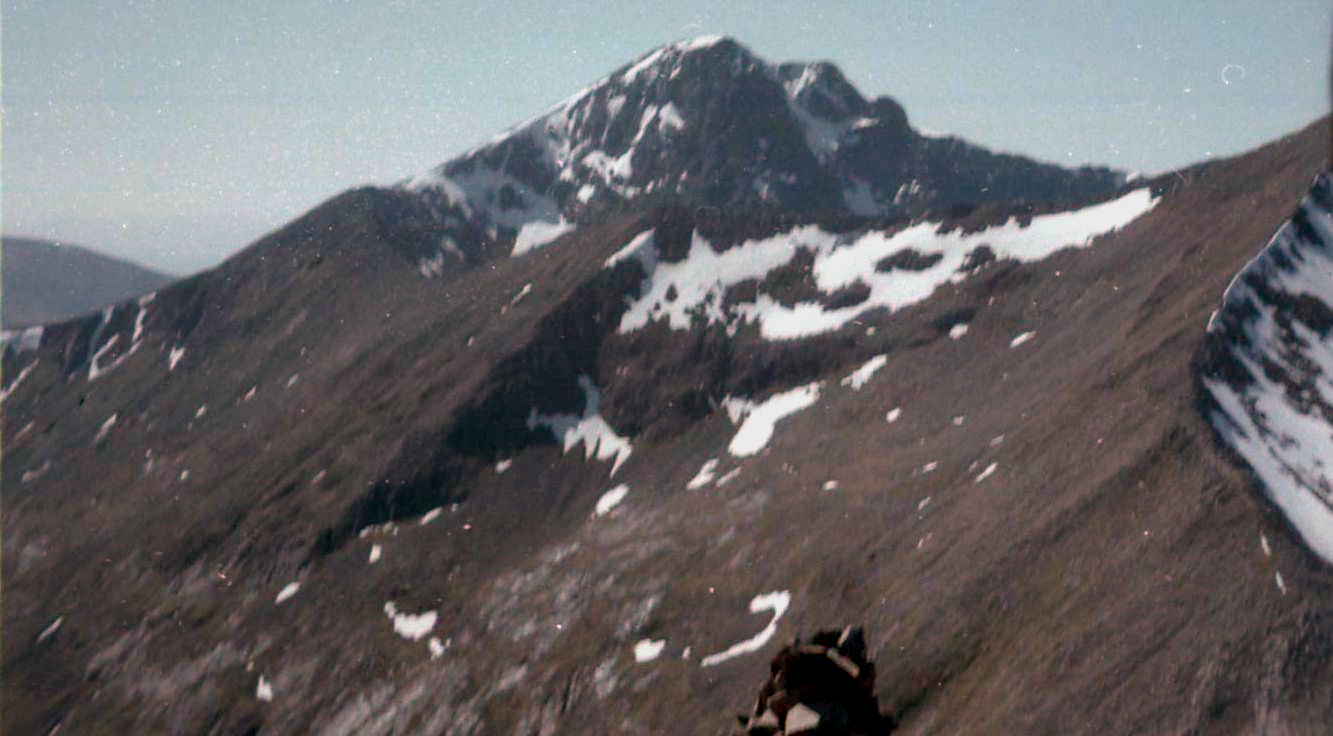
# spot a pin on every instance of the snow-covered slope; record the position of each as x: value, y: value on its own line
x: 698, y: 286
x: 708, y: 121
x: 1271, y: 373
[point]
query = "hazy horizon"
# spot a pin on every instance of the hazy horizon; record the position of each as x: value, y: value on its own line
x: 174, y: 136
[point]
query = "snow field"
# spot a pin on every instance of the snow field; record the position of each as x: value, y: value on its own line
x: 701, y: 280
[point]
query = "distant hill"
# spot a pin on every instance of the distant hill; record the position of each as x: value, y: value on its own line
x: 46, y: 282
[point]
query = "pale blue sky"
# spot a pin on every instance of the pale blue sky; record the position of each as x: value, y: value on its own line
x: 175, y: 133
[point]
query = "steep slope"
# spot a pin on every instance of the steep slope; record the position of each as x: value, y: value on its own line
x: 45, y: 282
x: 707, y: 122
x: 1042, y: 538
x: 371, y: 477
x: 1266, y: 370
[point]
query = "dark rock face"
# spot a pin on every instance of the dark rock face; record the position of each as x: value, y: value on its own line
x: 371, y: 476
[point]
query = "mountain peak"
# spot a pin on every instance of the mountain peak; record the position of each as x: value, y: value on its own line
x: 707, y: 122
x: 666, y: 59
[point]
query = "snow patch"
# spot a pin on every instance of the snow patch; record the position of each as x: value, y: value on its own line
x: 32, y: 475
x: 503, y: 465
x: 830, y: 485
x: 264, y: 690
x: 646, y: 650
x: 435, y: 180
x: 957, y: 331
x: 412, y: 626
x: 437, y: 648
x: 757, y: 428
x: 604, y: 679
x: 669, y: 119
x: 610, y: 500
x: 141, y: 316
x: 287, y: 592
x: 387, y: 528
x: 431, y: 515
x: 23, y: 340
x: 704, y: 476
x: 431, y: 266
x: 599, y: 439
x: 640, y: 248
x: 639, y: 67
x: 1021, y: 338
x: 174, y: 357
x: 527, y: 289
x: 50, y: 629
x: 777, y: 602
x: 859, y: 377
x: 95, y: 368
x: 893, y: 414
x: 536, y: 234
x: 8, y: 390
x: 988, y: 472
x: 105, y: 428
x: 700, y: 42
x: 375, y: 552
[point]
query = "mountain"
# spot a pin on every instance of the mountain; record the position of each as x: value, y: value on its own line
x: 706, y: 122
x: 1268, y: 362
x: 379, y: 473
x: 46, y: 282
